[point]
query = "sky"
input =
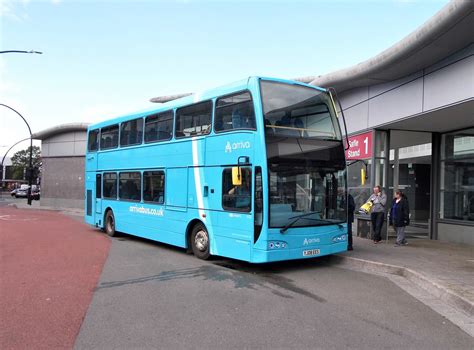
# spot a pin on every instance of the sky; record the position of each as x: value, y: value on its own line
x: 106, y: 58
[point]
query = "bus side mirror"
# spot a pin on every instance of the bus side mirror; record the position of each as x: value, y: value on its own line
x: 236, y: 176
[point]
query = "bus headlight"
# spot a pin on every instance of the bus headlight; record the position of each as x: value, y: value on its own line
x: 340, y: 238
x: 277, y: 245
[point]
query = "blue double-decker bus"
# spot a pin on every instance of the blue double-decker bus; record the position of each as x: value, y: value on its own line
x: 254, y: 171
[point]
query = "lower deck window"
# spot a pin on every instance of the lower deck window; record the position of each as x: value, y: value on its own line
x: 154, y: 186
x: 109, y: 185
x: 130, y: 186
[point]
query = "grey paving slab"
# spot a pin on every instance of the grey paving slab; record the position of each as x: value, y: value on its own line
x: 154, y: 296
x: 447, y: 265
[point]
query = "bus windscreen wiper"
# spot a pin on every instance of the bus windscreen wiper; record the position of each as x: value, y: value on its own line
x: 322, y: 221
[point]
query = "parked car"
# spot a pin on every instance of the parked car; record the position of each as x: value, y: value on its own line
x: 22, y: 192
x: 12, y: 193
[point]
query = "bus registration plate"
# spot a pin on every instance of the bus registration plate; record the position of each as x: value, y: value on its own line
x: 311, y: 252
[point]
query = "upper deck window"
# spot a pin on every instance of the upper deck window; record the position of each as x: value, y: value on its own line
x: 159, y: 127
x: 234, y: 112
x: 293, y: 110
x: 109, y: 137
x: 194, y: 120
x: 131, y: 132
x: 93, y: 142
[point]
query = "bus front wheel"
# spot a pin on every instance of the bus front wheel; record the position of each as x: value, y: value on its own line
x: 110, y: 223
x: 200, y: 242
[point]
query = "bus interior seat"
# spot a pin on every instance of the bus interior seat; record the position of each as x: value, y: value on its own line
x: 159, y: 198
x: 163, y: 135
x: 150, y: 134
x: 115, y: 140
x: 300, y: 125
x: 237, y: 120
x: 285, y: 121
x: 219, y: 123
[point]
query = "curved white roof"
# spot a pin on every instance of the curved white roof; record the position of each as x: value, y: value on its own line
x: 60, y: 129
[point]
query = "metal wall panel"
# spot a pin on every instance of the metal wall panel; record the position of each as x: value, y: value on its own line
x: 450, y: 84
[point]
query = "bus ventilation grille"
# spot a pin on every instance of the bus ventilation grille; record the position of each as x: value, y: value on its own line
x: 89, y: 202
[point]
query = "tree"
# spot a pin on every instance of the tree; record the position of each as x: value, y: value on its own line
x: 21, y: 162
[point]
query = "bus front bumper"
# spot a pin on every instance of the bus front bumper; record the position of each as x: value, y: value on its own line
x: 263, y: 256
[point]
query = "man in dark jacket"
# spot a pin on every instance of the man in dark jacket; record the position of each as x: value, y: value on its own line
x: 350, y: 219
x: 400, y: 217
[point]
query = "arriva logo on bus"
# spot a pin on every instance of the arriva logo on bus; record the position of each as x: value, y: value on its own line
x: 311, y: 240
x: 236, y: 145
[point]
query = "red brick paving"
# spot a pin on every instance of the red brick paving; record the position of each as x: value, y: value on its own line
x: 49, y: 267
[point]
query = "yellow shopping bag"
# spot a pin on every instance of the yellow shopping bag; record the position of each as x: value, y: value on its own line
x: 366, y: 208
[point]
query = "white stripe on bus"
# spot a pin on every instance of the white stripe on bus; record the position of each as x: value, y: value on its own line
x: 197, y: 179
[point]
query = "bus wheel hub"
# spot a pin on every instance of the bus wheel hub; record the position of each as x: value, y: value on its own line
x: 201, y: 241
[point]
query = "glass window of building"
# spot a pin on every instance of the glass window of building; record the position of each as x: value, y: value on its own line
x: 457, y: 176
x: 359, y: 181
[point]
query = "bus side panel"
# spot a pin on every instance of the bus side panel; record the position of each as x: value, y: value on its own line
x: 151, y: 221
x: 176, y: 192
x: 201, y: 196
x: 91, y: 162
x: 234, y: 235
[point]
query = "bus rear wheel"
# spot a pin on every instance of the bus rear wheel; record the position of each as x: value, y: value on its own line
x: 200, y: 242
x: 110, y: 223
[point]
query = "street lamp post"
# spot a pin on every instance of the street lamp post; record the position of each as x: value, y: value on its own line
x: 5, y: 155
x: 30, y: 170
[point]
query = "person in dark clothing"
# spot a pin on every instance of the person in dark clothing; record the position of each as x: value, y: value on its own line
x: 350, y: 220
x: 400, y: 217
x: 377, y: 214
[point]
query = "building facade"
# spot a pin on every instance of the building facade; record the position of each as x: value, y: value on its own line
x: 410, y: 121
x: 63, y: 151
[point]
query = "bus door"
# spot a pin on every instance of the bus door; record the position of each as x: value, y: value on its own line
x: 236, y: 222
x: 98, y: 193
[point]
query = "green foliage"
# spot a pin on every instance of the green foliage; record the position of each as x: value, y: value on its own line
x: 21, y: 160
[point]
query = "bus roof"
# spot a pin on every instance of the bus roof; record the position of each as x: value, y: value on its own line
x: 196, y: 97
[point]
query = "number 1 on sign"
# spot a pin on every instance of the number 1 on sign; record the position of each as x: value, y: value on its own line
x: 366, y: 141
